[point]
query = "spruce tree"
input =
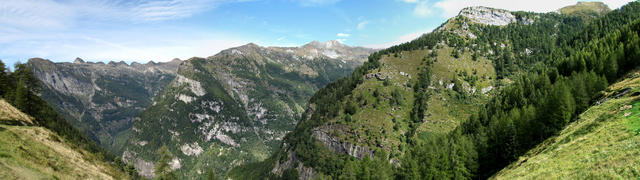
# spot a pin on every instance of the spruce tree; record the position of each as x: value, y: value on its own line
x: 162, y: 168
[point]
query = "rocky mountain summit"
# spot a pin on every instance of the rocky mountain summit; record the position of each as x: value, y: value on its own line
x: 585, y: 10
x: 488, y: 16
x: 102, y: 99
x: 236, y: 106
x: 405, y: 113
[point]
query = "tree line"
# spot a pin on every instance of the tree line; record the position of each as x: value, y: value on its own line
x: 20, y: 88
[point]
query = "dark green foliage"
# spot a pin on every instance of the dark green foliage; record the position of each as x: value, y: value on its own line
x: 440, y: 157
x: 20, y: 87
x: 4, y: 79
x: 386, y: 82
x: 396, y: 98
x: 162, y: 168
x: 347, y: 118
x: 211, y: 175
x: 367, y: 168
x: 455, y: 53
x: 421, y: 90
x: 290, y: 174
x: 351, y: 108
x: 540, y: 104
x: 569, y: 62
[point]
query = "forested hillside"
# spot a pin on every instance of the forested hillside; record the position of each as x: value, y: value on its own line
x: 233, y: 107
x: 102, y: 100
x: 602, y: 142
x: 39, y: 143
x: 546, y: 69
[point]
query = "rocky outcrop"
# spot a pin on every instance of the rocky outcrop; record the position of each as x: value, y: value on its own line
x: 101, y: 99
x: 488, y: 16
x: 291, y: 161
x: 243, y: 100
x: 322, y: 134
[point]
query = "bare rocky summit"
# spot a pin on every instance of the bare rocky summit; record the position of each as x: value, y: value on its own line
x: 488, y: 16
x: 236, y: 106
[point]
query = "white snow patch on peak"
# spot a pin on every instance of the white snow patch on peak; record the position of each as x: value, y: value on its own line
x: 194, y: 85
x: 193, y: 149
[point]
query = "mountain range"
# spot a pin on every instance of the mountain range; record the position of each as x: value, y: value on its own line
x: 235, y: 106
x: 489, y: 94
x: 101, y: 99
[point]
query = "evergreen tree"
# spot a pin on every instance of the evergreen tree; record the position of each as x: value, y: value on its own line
x: 211, y: 175
x: 21, y: 97
x: 162, y: 168
x: 559, y: 108
x: 4, y: 80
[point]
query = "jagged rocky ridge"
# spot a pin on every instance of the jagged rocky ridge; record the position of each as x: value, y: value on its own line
x: 102, y: 99
x: 235, y: 107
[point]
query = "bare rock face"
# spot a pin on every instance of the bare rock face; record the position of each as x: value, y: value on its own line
x: 488, y: 16
x: 322, y: 134
x: 101, y: 99
x: 304, y: 172
x: 239, y: 104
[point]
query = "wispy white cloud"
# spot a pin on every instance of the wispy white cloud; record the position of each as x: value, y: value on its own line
x: 362, y: 24
x: 343, y: 35
x: 422, y: 9
x: 170, y: 9
x: 316, y: 2
x: 64, y: 29
x: 65, y: 47
x: 65, y: 13
x: 34, y: 13
x: 452, y: 7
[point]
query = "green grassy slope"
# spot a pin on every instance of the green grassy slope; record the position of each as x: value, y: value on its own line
x: 586, y: 10
x: 394, y: 115
x: 231, y: 108
x: 602, y: 144
x: 32, y: 152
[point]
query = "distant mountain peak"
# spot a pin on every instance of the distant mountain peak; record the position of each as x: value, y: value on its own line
x: 78, y: 61
x: 250, y: 45
x: 330, y: 44
x: 585, y: 8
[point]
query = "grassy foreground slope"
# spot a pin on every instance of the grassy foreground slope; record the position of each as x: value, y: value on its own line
x: 604, y: 143
x: 346, y: 133
x: 32, y: 152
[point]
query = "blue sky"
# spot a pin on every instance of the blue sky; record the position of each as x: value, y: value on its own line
x: 160, y: 30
